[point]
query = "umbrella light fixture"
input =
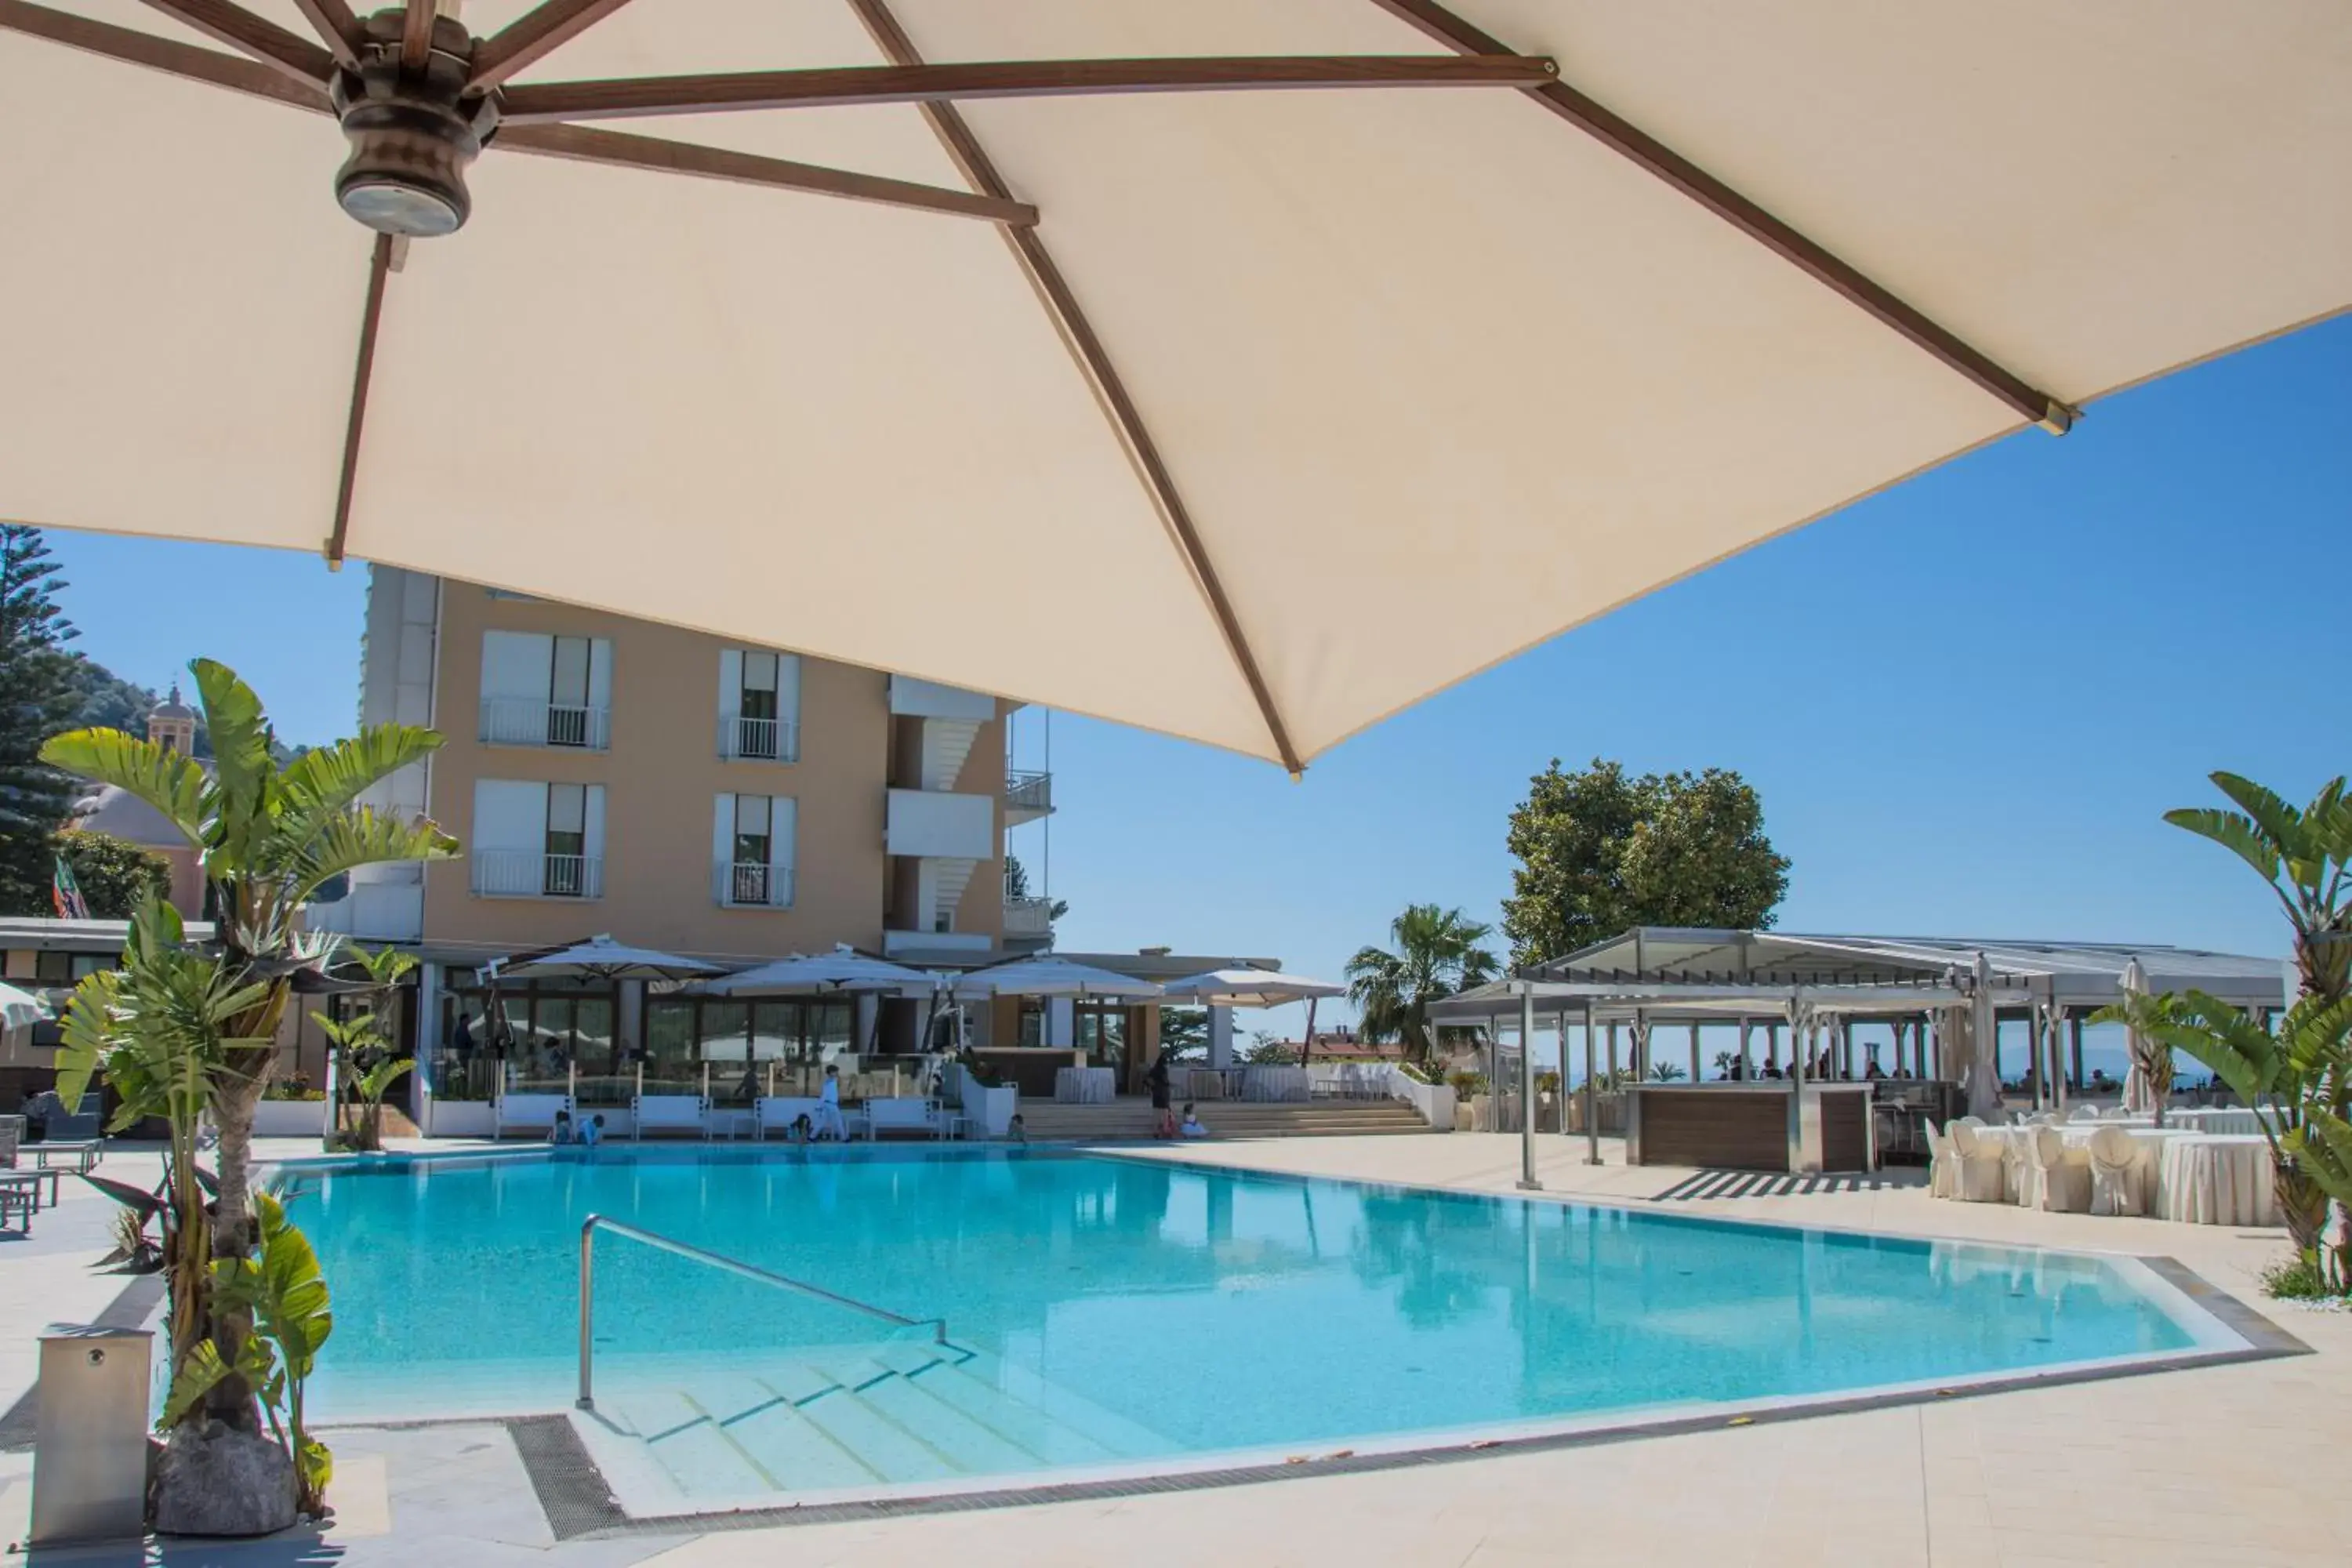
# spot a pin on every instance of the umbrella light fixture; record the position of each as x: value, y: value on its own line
x: 1487, y: 316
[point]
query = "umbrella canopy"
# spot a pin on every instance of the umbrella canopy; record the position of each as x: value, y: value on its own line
x: 1484, y: 316
x: 2140, y: 1094
x: 842, y: 970
x: 1054, y: 977
x: 20, y: 1008
x: 1249, y: 988
x: 599, y: 958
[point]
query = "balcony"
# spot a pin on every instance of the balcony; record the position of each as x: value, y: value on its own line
x: 508, y: 722
x: 746, y: 885
x: 519, y: 874
x: 759, y: 741
x: 930, y: 823
x: 1028, y: 924
x: 1027, y: 797
x: 910, y: 698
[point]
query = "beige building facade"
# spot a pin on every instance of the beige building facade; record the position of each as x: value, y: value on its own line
x: 678, y: 791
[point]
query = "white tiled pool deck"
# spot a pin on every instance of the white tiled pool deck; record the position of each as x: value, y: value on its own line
x: 2226, y: 1465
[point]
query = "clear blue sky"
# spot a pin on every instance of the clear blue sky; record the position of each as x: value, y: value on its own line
x: 1965, y: 703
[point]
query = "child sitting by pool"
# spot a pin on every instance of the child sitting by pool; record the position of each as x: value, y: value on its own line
x: 1192, y: 1128
x: 561, y: 1132
x: 594, y: 1132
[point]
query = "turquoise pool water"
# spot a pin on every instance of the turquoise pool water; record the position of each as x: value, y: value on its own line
x: 1189, y: 1310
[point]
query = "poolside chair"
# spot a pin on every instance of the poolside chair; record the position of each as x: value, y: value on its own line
x: 1943, y: 1163
x: 12, y: 1133
x: 1978, y: 1178
x: 2115, y: 1184
x: 2058, y: 1177
x: 2084, y: 1111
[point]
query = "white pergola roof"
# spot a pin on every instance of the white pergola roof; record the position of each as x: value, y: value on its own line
x: 1694, y: 972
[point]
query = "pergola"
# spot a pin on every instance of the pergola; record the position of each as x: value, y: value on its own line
x: 1943, y: 996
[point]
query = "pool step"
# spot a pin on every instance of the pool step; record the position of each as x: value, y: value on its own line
x: 861, y: 1416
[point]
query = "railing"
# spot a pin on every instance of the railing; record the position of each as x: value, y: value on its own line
x: 759, y: 739
x: 1028, y: 794
x: 747, y: 884
x: 519, y: 874
x: 1028, y: 917
x: 588, y: 1228
x: 516, y: 721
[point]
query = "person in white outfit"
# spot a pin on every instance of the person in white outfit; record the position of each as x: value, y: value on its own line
x: 828, y: 1122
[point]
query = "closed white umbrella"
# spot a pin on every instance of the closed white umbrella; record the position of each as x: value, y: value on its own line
x: 2139, y: 1088
x: 1531, y: 307
x: 20, y: 1009
x: 1984, y: 1043
x: 1258, y: 988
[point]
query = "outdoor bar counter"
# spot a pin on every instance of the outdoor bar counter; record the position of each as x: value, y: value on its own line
x: 1746, y: 1126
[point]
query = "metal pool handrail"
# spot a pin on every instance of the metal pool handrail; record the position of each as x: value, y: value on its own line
x: 588, y: 1228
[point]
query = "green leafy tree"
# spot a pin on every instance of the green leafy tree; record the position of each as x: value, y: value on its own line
x: 36, y: 701
x: 2299, y: 1079
x: 1265, y: 1049
x: 1432, y: 954
x: 269, y: 837
x: 1601, y: 852
x: 1183, y: 1032
x: 367, y: 1062
x: 115, y: 875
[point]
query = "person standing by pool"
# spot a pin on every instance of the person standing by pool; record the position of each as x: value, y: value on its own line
x: 1163, y: 1120
x: 828, y: 1122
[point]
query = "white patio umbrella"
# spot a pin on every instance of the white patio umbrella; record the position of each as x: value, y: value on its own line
x: 598, y: 958
x: 843, y: 970
x: 1257, y: 988
x: 1528, y: 308
x: 20, y: 1009
x: 1056, y: 977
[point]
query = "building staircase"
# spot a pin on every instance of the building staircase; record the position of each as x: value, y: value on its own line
x: 1050, y: 1121
x: 862, y: 1416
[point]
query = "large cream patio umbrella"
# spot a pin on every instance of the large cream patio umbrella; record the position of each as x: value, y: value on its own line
x: 1478, y: 320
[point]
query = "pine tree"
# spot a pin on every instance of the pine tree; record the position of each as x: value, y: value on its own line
x: 37, y: 700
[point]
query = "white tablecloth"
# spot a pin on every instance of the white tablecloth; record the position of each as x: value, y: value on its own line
x: 2216, y: 1179
x: 1084, y: 1086
x: 2229, y: 1121
x: 1275, y: 1083
x: 2148, y: 1143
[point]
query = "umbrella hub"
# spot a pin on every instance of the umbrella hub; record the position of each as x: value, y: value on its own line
x: 411, y: 132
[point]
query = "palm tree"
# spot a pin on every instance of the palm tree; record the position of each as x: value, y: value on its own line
x: 1437, y: 954
x: 269, y: 838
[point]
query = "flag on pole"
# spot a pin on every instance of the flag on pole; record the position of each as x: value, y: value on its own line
x: 66, y: 893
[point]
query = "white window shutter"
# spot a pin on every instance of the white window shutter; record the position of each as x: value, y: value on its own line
x: 784, y: 822
x: 788, y: 691
x: 723, y: 838
x: 516, y: 666
x: 509, y: 816
x: 730, y: 692
x: 600, y: 673
x: 594, y: 830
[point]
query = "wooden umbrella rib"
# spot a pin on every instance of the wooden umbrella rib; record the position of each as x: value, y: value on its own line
x: 379, y: 268
x: 415, y: 34
x: 611, y: 100
x: 169, y: 56
x: 289, y: 53
x: 336, y: 26
x: 582, y: 144
x: 534, y: 36
x: 1054, y: 290
x: 1647, y: 152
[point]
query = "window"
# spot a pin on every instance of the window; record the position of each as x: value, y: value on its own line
x: 752, y: 850
x: 537, y: 841
x: 759, y: 706
x: 783, y: 1048
x: 51, y: 968
x: 543, y: 691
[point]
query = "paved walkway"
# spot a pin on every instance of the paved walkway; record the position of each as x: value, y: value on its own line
x: 2236, y: 1465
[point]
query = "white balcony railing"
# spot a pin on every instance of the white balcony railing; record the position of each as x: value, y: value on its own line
x: 1028, y: 917
x: 759, y: 739
x: 1027, y: 795
x: 742, y: 884
x: 514, y: 722
x: 519, y: 874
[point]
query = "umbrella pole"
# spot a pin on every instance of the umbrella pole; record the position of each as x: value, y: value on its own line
x: 1528, y: 1183
x: 1307, y: 1047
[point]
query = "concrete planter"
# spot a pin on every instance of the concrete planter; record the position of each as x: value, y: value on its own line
x: 291, y: 1119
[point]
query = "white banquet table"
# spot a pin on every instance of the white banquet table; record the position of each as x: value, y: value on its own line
x: 2148, y: 1143
x: 2215, y: 1179
x: 1083, y: 1086
x: 1274, y: 1083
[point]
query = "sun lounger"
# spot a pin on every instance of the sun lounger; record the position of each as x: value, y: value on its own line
x: 80, y: 1154
x: 527, y: 1113
x: 905, y: 1115
x: 669, y: 1113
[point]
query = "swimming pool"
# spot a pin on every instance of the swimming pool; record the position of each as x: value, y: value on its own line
x: 1104, y: 1312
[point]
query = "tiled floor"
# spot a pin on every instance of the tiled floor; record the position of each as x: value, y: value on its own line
x: 2235, y: 1465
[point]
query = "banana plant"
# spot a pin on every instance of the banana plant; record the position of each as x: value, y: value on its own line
x: 2305, y: 857
x: 269, y: 838
x: 366, y: 1068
